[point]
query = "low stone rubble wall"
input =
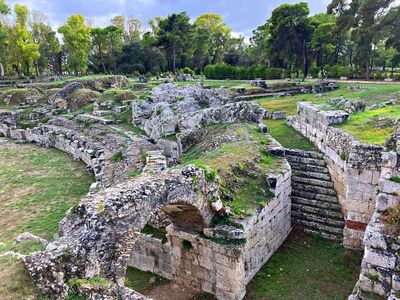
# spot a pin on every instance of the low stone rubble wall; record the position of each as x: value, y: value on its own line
x: 355, y: 168
x: 91, y: 149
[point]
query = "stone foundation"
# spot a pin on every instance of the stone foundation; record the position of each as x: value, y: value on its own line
x: 221, y: 269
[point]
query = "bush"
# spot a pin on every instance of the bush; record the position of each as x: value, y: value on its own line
x: 314, y: 72
x: 338, y: 71
x: 223, y: 71
x: 188, y: 71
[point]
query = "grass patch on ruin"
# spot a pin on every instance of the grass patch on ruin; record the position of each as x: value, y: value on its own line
x: 37, y: 187
x: 374, y: 94
x: 237, y: 153
x: 141, y: 281
x: 372, y: 126
x: 287, y: 136
x: 307, y: 267
x: 117, y: 95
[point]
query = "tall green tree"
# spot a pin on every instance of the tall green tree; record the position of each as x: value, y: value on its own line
x: 364, y: 19
x: 4, y: 10
x: 76, y: 37
x: 99, y: 45
x: 114, y: 38
x: 174, y: 36
x: 290, y: 35
x: 26, y: 50
x: 218, y: 33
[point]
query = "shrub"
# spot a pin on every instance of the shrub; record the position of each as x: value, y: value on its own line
x: 188, y: 71
x: 395, y: 179
x: 314, y: 71
x: 223, y: 71
x: 117, y: 157
x: 187, y: 245
x: 392, y: 215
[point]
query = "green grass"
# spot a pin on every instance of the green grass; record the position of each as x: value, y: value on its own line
x: 363, y: 125
x: 375, y: 94
x: 307, y: 267
x: 37, y: 187
x: 140, y: 281
x: 239, y: 162
x: 117, y: 95
x: 287, y: 136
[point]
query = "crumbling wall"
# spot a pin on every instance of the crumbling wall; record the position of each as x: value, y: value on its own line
x: 222, y: 269
x: 92, y: 146
x: 381, y: 263
x: 355, y: 168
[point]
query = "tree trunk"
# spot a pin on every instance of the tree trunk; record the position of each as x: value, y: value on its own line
x: 173, y: 60
x: 102, y: 59
x: 367, y: 70
x: 1, y: 70
x: 305, y: 60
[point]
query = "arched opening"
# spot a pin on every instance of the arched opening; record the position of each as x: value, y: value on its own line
x: 185, y: 217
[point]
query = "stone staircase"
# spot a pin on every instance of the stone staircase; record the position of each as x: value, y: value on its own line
x: 155, y: 162
x: 315, y: 206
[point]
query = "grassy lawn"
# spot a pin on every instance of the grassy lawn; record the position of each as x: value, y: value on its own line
x: 374, y: 94
x: 287, y: 136
x: 37, y: 186
x: 307, y: 267
x: 373, y: 126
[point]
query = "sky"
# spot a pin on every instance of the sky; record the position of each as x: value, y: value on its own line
x: 243, y: 16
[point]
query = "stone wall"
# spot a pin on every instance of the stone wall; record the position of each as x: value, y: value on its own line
x: 355, y: 168
x: 94, y: 146
x: 223, y: 270
x: 381, y: 263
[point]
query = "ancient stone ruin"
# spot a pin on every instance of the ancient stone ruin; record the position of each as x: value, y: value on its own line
x: 342, y: 192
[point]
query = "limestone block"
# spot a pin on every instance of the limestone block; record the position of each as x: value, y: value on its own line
x: 380, y: 259
x: 389, y: 187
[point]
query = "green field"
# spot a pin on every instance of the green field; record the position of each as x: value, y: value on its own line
x: 365, y: 126
x: 306, y: 267
x: 37, y: 187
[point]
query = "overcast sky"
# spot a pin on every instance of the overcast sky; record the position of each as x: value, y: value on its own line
x: 241, y: 15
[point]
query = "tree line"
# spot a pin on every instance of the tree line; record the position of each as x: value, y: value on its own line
x: 353, y: 38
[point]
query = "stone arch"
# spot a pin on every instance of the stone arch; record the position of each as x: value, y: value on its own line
x: 98, y: 236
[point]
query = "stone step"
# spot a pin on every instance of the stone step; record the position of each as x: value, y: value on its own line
x: 307, y: 154
x: 327, y: 213
x: 316, y: 203
x: 309, y: 168
x: 329, y: 236
x: 307, y: 161
x: 314, y: 175
x: 326, y: 221
x: 318, y: 226
x: 313, y: 182
x: 313, y: 189
x: 314, y: 196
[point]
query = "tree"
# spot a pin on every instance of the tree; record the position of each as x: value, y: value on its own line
x: 218, y: 34
x: 174, y: 36
x: 290, y: 35
x: 25, y: 50
x: 4, y: 10
x: 364, y: 19
x: 99, y: 42
x: 114, y: 38
x: 133, y: 30
x: 77, y: 43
